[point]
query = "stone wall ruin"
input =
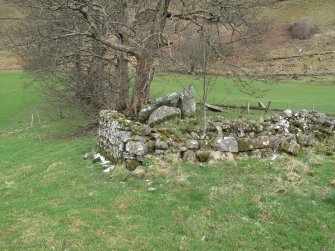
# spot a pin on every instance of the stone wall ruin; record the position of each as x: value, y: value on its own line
x: 132, y: 141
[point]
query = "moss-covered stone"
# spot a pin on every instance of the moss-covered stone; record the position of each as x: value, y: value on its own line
x: 190, y: 156
x: 203, y: 156
x: 150, y: 146
x: 172, y: 157
x: 244, y: 145
x: 132, y: 164
x: 291, y: 148
x: 161, y: 144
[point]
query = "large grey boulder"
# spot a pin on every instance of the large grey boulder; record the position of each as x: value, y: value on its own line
x: 187, y: 102
x: 226, y: 144
x: 184, y: 100
x: 169, y: 100
x: 162, y: 114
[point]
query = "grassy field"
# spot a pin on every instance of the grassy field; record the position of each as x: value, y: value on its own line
x: 51, y: 199
x: 302, y: 94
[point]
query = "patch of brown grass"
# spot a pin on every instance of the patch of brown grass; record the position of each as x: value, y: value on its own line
x: 54, y: 166
x: 76, y: 226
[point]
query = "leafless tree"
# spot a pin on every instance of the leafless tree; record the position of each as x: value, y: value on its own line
x: 86, y: 50
x: 189, y: 51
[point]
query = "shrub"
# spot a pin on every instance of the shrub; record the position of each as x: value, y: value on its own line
x: 303, y: 29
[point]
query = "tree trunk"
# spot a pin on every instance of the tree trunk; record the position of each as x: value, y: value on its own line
x: 144, y: 76
x: 145, y: 62
x: 121, y: 89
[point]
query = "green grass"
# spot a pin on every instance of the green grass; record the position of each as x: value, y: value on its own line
x: 303, y: 94
x: 51, y: 199
x: 17, y: 102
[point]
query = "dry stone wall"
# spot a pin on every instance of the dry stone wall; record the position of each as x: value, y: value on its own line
x: 130, y: 141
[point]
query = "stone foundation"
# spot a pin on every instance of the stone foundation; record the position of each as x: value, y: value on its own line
x: 126, y: 140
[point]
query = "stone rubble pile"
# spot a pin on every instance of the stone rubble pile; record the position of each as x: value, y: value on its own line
x: 130, y: 141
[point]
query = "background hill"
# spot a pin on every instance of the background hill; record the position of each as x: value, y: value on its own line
x: 9, y: 15
x: 276, y: 53
x: 279, y: 53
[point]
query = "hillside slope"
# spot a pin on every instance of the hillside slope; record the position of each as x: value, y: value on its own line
x: 280, y: 54
x: 276, y: 53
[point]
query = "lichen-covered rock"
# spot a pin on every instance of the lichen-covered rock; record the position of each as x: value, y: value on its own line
x: 319, y: 118
x: 275, y: 141
x: 171, y: 143
x: 195, y: 135
x: 161, y: 144
x: 229, y: 156
x: 205, y: 144
x: 291, y: 147
x: 261, y: 142
x: 244, y: 145
x: 192, y: 144
x: 288, y: 113
x: 136, y: 147
x: 160, y: 152
x: 240, y: 132
x: 150, y: 146
x: 216, y: 156
x: 203, y: 156
x: 113, y: 133
x: 187, y: 102
x: 171, y: 157
x: 169, y: 100
x: 162, y: 114
x: 276, y: 118
x: 182, y: 149
x: 306, y: 140
x: 190, y: 156
x: 226, y: 144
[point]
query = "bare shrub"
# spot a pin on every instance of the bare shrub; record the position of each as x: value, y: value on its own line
x: 303, y: 29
